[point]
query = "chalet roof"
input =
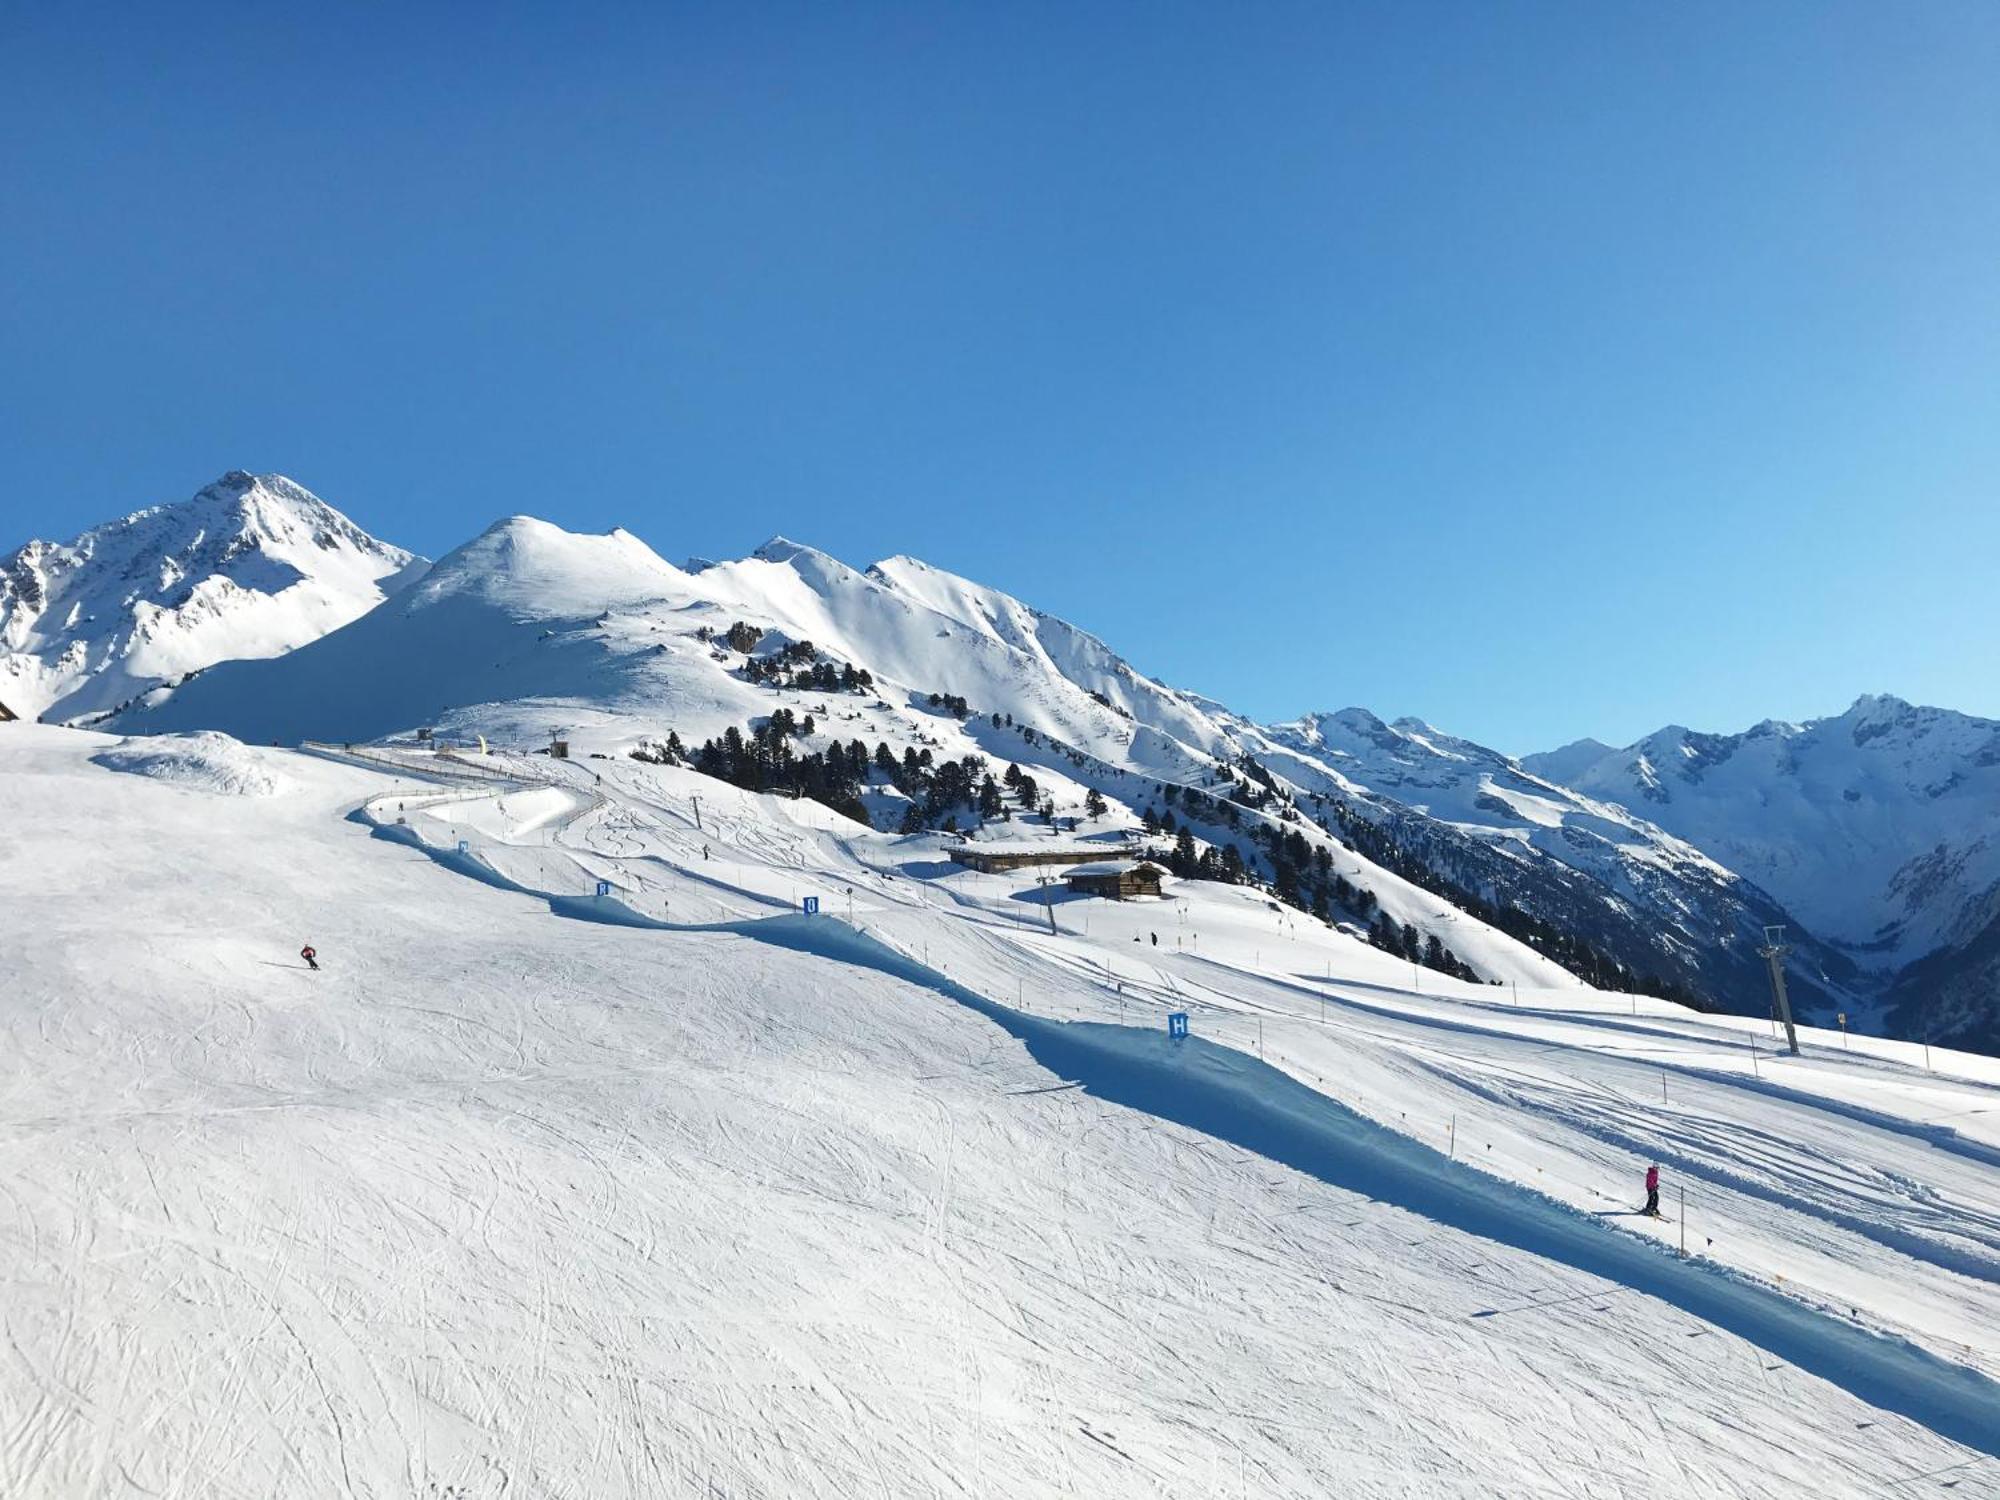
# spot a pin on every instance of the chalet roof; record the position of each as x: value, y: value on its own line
x: 1112, y: 867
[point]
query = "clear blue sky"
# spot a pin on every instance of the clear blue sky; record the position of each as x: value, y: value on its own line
x: 1541, y: 370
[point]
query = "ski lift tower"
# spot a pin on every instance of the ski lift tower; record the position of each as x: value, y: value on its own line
x: 1774, y: 950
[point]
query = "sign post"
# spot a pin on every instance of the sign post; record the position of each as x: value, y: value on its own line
x: 810, y: 906
x: 1177, y: 1026
x: 603, y: 887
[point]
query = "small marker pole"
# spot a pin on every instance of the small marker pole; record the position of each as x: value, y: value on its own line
x: 1684, y: 1223
x: 1663, y: 1085
x: 1452, y: 1149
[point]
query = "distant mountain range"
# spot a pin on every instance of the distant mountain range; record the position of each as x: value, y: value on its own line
x: 255, y: 608
x: 1878, y: 829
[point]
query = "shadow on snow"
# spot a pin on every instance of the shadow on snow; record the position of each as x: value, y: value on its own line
x: 1231, y: 1096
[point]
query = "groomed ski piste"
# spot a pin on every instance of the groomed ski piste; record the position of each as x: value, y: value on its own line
x: 676, y: 1190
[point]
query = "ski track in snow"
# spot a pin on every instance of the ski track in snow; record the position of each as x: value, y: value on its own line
x: 504, y: 1203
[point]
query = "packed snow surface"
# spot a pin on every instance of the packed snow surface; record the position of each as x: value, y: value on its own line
x: 206, y: 761
x: 671, y: 1190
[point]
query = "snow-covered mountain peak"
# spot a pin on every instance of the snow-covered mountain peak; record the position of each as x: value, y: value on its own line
x: 1879, y: 826
x: 1357, y: 733
x: 820, y: 571
x: 1561, y: 765
x: 250, y: 565
x: 535, y: 568
x: 1878, y: 705
x: 781, y: 549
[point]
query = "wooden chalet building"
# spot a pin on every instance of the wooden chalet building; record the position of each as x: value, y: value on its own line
x: 992, y: 859
x: 1115, y: 879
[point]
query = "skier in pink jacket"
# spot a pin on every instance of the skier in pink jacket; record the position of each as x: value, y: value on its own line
x: 1653, y: 1190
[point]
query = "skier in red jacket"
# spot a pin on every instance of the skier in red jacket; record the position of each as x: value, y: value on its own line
x: 1653, y: 1190
x: 311, y: 956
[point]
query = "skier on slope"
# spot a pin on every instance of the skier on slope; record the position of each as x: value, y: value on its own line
x: 311, y: 956
x: 1653, y: 1190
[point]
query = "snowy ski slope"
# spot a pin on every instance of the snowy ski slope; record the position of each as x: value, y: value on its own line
x: 673, y: 1191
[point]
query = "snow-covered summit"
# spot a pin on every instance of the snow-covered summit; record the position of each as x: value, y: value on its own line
x: 540, y: 569
x: 1839, y: 817
x: 1593, y: 867
x: 621, y: 630
x: 1879, y: 827
x: 250, y: 566
x: 1565, y: 764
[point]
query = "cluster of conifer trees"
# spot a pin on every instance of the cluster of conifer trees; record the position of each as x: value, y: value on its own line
x: 939, y: 791
x: 1302, y: 876
x: 765, y: 761
x: 1582, y: 958
x: 799, y: 666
